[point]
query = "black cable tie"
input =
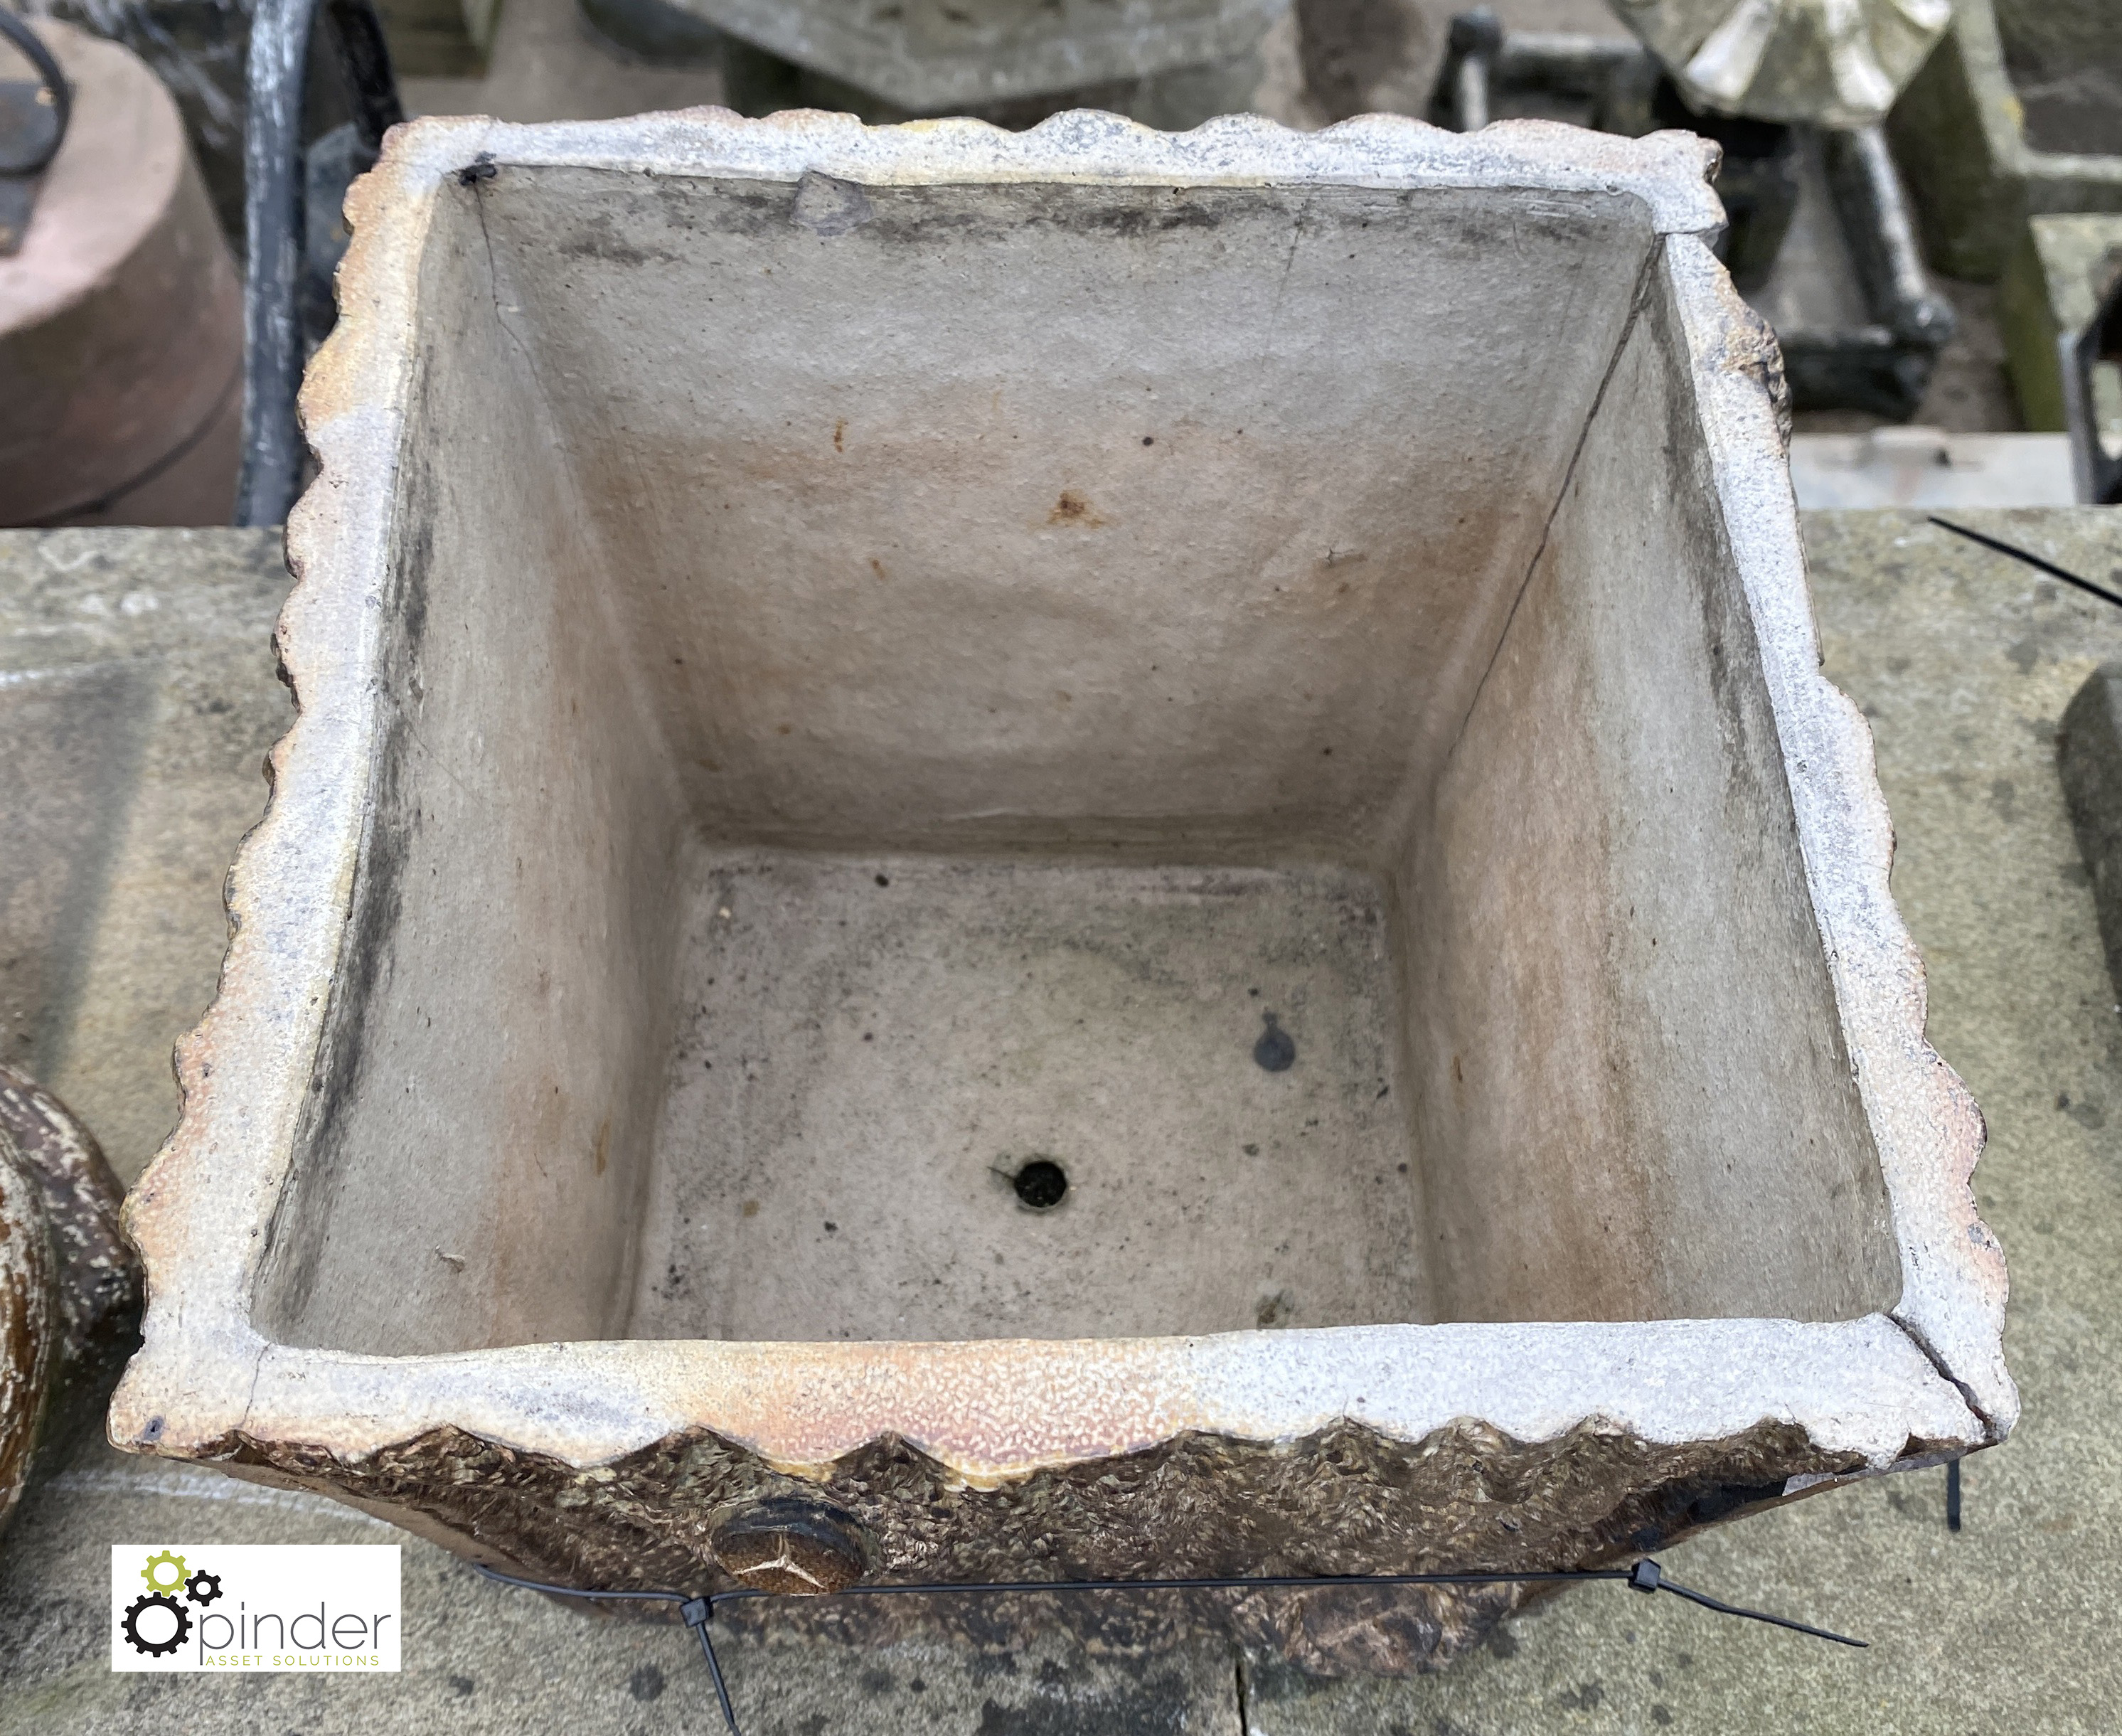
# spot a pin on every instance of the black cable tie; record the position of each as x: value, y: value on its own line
x: 1758, y: 1615
x: 697, y: 1609
x: 2031, y: 559
x: 696, y: 1613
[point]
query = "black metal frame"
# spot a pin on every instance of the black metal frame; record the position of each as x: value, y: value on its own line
x: 274, y: 224
x: 49, y: 75
x: 2099, y: 473
x: 24, y: 159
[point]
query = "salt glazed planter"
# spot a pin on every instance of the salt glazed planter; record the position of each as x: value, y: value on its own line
x: 1079, y: 853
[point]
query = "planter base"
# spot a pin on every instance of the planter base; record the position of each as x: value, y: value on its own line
x: 871, y: 1054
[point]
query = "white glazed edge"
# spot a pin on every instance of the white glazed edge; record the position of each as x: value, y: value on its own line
x: 995, y: 1409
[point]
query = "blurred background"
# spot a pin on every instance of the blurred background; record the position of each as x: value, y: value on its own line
x: 1932, y: 235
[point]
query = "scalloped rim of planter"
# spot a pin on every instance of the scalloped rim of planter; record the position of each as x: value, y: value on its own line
x: 1929, y: 1378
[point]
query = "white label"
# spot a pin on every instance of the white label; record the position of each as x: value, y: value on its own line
x: 200, y: 1607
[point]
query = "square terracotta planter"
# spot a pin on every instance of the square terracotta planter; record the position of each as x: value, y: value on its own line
x: 1268, y: 675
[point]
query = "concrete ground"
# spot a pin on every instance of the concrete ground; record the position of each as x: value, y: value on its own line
x: 135, y: 698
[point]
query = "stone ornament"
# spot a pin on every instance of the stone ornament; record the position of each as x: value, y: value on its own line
x: 28, y: 1324
x: 1829, y: 63
x: 69, y: 1284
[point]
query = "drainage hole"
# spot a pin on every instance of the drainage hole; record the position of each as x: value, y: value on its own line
x: 1040, y: 1184
x: 1276, y: 1051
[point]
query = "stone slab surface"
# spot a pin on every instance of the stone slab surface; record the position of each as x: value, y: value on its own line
x: 121, y: 813
x: 1963, y: 660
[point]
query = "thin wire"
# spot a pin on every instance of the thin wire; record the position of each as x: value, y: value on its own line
x: 1645, y: 1576
x: 1758, y: 1615
x: 569, y: 1591
x: 2031, y: 559
x: 1252, y: 1581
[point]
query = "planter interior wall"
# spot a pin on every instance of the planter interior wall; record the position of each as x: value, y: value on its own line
x: 1271, y: 676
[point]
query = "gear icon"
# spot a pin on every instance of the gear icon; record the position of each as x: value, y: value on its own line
x: 140, y: 1605
x: 165, y: 1585
x: 202, y: 1587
